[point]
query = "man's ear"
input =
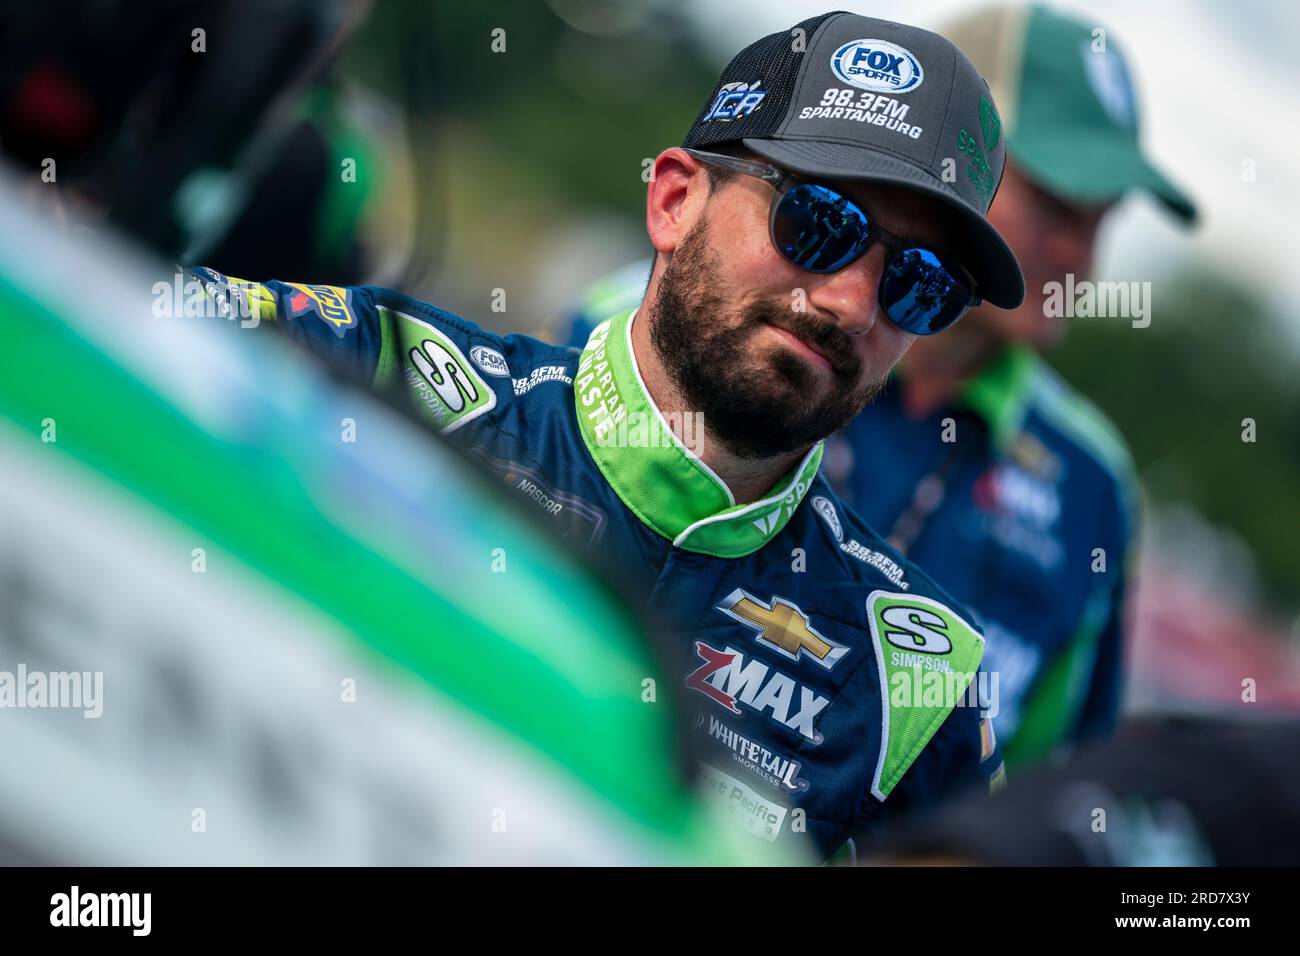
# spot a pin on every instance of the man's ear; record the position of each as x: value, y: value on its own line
x: 679, y: 189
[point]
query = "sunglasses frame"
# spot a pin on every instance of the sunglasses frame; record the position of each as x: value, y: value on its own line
x: 783, y: 182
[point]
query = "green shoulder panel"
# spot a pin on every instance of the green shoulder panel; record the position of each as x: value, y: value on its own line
x: 927, y: 658
x: 1088, y: 427
x: 1081, y: 421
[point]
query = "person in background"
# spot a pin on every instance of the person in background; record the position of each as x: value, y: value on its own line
x: 976, y: 460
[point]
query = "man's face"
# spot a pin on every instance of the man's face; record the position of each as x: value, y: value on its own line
x: 775, y: 357
x: 1051, y: 237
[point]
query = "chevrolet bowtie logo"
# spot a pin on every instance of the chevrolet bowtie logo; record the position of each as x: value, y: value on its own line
x: 782, y: 627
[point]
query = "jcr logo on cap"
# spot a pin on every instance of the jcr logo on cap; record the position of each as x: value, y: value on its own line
x: 736, y: 100
x: 877, y: 65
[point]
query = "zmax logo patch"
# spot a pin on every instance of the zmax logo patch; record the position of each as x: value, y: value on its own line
x: 727, y: 679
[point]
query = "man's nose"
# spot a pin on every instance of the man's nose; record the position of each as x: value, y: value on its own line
x: 850, y: 294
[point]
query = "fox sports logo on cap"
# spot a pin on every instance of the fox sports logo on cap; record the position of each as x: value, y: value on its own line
x: 877, y: 65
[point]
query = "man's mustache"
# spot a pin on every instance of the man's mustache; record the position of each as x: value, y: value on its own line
x: 828, y: 338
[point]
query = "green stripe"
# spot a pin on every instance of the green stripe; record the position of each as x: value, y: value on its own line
x: 1083, y: 422
x: 1052, y: 709
x: 581, y: 705
x: 999, y: 391
x: 342, y: 203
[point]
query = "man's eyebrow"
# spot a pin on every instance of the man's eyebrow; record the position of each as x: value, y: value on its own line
x: 936, y: 227
x: 938, y: 218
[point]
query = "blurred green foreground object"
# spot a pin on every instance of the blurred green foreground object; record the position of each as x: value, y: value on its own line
x: 282, y: 683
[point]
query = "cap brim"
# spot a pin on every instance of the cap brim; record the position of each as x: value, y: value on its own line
x: 1096, y: 169
x: 979, y: 247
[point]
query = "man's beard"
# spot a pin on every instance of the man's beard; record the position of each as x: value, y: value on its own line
x: 758, y: 406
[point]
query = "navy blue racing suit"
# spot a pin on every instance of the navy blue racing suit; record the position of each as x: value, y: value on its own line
x: 1020, y: 498
x: 833, y: 683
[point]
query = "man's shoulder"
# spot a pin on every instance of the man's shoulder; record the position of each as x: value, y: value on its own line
x: 1080, y: 448
x: 458, y: 371
x: 498, y: 355
x: 869, y: 559
x: 1062, y: 412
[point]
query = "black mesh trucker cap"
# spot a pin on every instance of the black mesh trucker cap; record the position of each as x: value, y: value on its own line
x: 840, y: 96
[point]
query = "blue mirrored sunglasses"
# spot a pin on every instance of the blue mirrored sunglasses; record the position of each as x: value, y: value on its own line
x: 821, y: 230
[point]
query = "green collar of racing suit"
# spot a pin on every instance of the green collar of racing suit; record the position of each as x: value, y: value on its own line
x: 999, y: 393
x: 659, y: 478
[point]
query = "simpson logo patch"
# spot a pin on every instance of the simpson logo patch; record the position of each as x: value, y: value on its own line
x: 446, y: 385
x: 927, y: 658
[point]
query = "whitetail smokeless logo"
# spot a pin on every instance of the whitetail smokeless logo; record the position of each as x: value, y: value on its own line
x: 776, y: 769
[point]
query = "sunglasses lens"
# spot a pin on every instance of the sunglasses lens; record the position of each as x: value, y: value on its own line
x: 921, y: 293
x: 818, y: 229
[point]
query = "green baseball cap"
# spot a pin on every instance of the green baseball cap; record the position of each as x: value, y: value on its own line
x: 1067, y: 102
